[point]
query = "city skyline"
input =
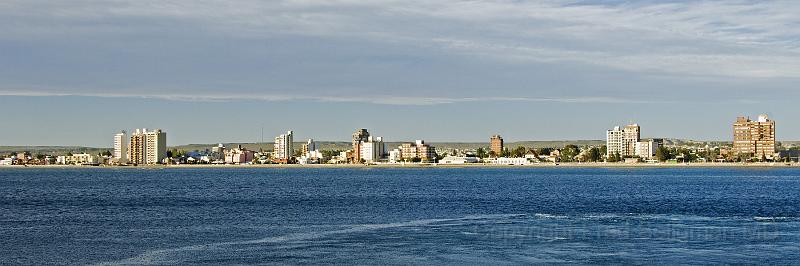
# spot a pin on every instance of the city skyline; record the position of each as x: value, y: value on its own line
x: 114, y: 143
x: 541, y: 70
x: 754, y: 140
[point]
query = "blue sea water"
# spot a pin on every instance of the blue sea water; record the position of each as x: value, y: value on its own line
x: 437, y: 216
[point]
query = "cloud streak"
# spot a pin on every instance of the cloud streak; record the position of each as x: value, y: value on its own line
x: 375, y: 99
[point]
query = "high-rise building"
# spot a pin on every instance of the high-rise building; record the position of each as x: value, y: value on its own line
x: 622, y: 141
x: 496, y: 144
x: 632, y: 135
x: 147, y: 147
x: 754, y: 138
x: 121, y: 147
x: 359, y: 137
x: 372, y: 150
x: 284, y: 147
x: 614, y: 143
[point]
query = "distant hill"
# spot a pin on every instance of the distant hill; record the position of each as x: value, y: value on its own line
x: 344, y: 145
x: 55, y: 150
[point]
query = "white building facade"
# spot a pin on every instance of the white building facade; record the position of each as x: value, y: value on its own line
x: 458, y: 160
x: 284, y: 146
x: 372, y: 150
x: 614, y: 144
x: 121, y: 147
x: 510, y: 161
x: 622, y: 141
x: 79, y: 159
x: 647, y: 149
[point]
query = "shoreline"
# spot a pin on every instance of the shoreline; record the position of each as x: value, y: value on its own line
x: 474, y: 165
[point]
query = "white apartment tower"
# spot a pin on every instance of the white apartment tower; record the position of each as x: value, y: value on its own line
x: 632, y: 135
x: 284, y: 148
x: 121, y: 147
x: 373, y: 149
x: 622, y: 140
x: 147, y: 147
x: 614, y: 144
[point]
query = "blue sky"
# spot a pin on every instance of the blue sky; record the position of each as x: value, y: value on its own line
x: 76, y: 72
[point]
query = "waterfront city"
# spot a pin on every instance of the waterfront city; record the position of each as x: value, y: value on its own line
x: 753, y: 141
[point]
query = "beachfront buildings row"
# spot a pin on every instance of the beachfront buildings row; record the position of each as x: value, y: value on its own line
x: 751, y: 138
x: 370, y: 149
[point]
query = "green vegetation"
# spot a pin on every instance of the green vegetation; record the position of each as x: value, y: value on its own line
x: 569, y: 152
x: 594, y: 155
x: 519, y: 151
x: 663, y: 154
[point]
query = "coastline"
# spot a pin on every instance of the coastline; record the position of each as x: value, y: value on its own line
x: 401, y: 166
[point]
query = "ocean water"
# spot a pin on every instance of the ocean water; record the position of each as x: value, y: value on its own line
x: 103, y: 216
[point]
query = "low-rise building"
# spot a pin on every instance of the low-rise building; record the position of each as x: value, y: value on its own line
x: 647, y: 149
x: 395, y: 156
x: 239, y: 155
x: 510, y: 161
x: 343, y: 157
x: 418, y: 149
x: 217, y: 154
x: 310, y: 154
x: 79, y: 159
x: 458, y: 160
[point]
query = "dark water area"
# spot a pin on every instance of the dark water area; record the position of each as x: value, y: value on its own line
x: 399, y: 216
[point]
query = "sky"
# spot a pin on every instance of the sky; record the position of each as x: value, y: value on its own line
x: 206, y: 71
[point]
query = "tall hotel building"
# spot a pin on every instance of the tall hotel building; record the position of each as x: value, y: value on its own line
x: 121, y: 147
x: 284, y: 147
x: 632, y: 135
x: 359, y: 138
x: 366, y: 148
x: 372, y: 150
x: 622, y: 141
x: 756, y: 138
x: 147, y: 147
x: 496, y: 144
